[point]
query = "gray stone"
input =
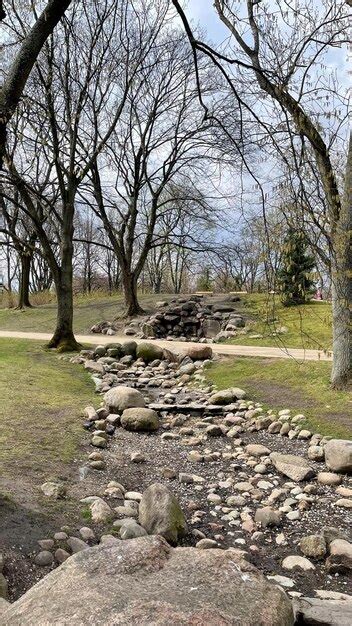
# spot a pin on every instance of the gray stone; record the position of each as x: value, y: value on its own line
x: 100, y: 510
x: 256, y: 449
x: 199, y: 352
x: 293, y: 561
x: 267, y: 517
x: 94, y: 367
x: 328, y: 478
x: 338, y: 455
x: 120, y: 398
x: 145, y: 582
x: 86, y: 533
x: 76, y: 544
x: 227, y: 396
x: 313, y: 545
x: 295, y: 467
x: 43, y: 558
x: 140, y: 419
x: 161, y: 514
x: 53, y: 490
x: 99, y: 442
x: 132, y: 530
x: 315, y: 453
x: 61, y: 555
x: 211, y: 328
x: 320, y: 612
x: 149, y: 352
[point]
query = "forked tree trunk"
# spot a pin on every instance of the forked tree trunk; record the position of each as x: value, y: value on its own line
x: 23, y: 301
x: 341, y: 375
x: 63, y: 338
x: 132, y: 306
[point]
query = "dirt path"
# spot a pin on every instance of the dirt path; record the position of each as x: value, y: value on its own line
x: 218, y: 348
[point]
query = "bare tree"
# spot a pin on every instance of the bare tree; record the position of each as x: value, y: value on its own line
x: 281, y: 48
x: 81, y: 110
x: 159, y: 141
x: 22, y: 65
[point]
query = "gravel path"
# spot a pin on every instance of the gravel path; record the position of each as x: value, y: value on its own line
x: 218, y: 348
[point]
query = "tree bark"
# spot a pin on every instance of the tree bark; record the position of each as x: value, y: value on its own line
x: 132, y: 306
x: 26, y: 261
x: 341, y: 277
x: 63, y: 338
x: 12, y: 89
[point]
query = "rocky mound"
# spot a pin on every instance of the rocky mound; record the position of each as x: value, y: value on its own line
x: 144, y: 581
x: 184, y: 319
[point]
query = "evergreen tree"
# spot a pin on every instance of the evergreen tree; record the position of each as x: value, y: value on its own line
x: 295, y: 274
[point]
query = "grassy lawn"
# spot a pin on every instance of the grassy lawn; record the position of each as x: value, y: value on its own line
x: 281, y: 384
x: 308, y: 326
x: 88, y: 311
x: 42, y: 399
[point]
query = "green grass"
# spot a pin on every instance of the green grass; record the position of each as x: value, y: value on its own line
x: 281, y: 384
x: 308, y: 326
x: 42, y: 399
x: 88, y: 310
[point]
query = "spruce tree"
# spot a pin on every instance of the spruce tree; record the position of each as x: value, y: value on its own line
x: 295, y: 274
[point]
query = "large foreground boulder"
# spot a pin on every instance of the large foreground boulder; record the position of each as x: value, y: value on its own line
x: 146, y: 582
x: 295, y: 467
x: 140, y: 419
x: 120, y: 398
x: 338, y: 455
x: 161, y: 514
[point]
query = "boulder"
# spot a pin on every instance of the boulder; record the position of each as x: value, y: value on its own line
x: 161, y: 514
x: 128, y: 348
x: 324, y: 612
x: 140, y: 419
x: 199, y: 352
x: 256, y: 449
x: 295, y: 467
x: 149, y: 352
x: 211, y: 328
x: 293, y: 561
x: 144, y: 581
x: 338, y: 455
x: 100, y: 510
x: 94, y: 368
x: 227, y: 396
x: 53, y: 490
x: 267, y: 516
x: 313, y: 545
x: 120, y: 398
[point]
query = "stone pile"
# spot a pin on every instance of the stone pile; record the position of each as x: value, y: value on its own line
x: 184, y: 319
x: 191, y: 318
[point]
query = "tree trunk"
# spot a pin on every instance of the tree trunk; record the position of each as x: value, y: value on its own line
x: 63, y: 338
x: 26, y: 260
x: 129, y: 282
x: 341, y: 375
